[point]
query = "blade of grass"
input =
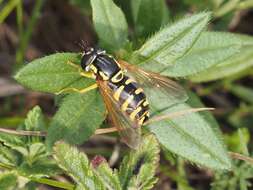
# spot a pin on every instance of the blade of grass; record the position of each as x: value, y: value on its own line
x: 27, y: 34
x: 19, y: 11
x: 7, y: 9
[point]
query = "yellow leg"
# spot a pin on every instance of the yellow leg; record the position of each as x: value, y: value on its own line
x: 94, y: 86
x: 81, y: 72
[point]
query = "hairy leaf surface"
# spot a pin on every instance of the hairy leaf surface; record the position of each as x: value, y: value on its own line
x: 210, y: 49
x: 172, y: 42
x: 76, y: 165
x: 193, y: 136
x: 148, y: 16
x: 235, y: 64
x: 78, y: 117
x: 52, y: 73
x: 138, y: 168
x: 110, y: 24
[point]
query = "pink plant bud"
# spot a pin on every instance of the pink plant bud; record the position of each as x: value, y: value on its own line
x: 97, y: 160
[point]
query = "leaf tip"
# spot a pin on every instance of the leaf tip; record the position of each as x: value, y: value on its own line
x: 17, y: 76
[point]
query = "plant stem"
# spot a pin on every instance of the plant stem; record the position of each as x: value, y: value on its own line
x: 45, y: 181
x: 19, y: 11
x: 53, y: 183
x: 226, y: 8
x: 238, y: 156
x: 7, y: 9
x: 23, y: 133
x: 27, y: 34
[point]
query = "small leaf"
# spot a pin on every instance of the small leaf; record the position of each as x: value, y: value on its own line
x: 110, y: 24
x: 34, y: 152
x: 8, y: 156
x: 171, y: 43
x: 210, y: 49
x: 109, y: 178
x: 11, y: 140
x: 194, y: 136
x: 52, y: 73
x: 40, y: 168
x: 8, y: 181
x: 235, y: 64
x: 77, y: 119
x: 76, y: 165
x: 34, y: 122
x: 148, y: 15
x: 138, y: 168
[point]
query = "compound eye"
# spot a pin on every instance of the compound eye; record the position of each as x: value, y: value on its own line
x: 86, y: 61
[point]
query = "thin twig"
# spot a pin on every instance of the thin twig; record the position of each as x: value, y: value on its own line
x: 176, y: 114
x: 105, y: 130
x: 23, y: 133
x: 115, y: 155
x: 238, y: 156
x: 111, y: 129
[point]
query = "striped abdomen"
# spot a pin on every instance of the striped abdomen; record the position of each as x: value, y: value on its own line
x: 131, y: 99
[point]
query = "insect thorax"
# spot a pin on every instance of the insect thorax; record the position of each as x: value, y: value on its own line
x: 108, y: 68
x: 129, y: 96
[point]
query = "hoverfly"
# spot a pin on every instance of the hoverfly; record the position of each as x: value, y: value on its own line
x: 125, y: 88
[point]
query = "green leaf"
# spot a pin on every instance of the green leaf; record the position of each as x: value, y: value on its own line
x: 110, y: 24
x: 26, y: 144
x: 8, y: 156
x: 242, y: 92
x: 148, y: 15
x: 235, y: 64
x: 84, y: 6
x: 76, y: 165
x: 34, y: 152
x: 77, y: 119
x: 30, y: 186
x: 8, y: 181
x: 171, y: 43
x: 109, y: 178
x: 193, y: 136
x: 52, y: 73
x: 138, y: 168
x: 40, y: 168
x: 11, y: 140
x: 34, y: 122
x: 210, y: 49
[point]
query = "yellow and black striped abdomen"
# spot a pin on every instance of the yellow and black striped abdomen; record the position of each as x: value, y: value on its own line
x: 131, y: 99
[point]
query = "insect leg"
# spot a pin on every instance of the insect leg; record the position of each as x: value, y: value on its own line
x: 91, y: 87
x: 84, y: 74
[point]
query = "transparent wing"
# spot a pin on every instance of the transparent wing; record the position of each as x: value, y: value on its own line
x: 160, y: 90
x: 129, y: 131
